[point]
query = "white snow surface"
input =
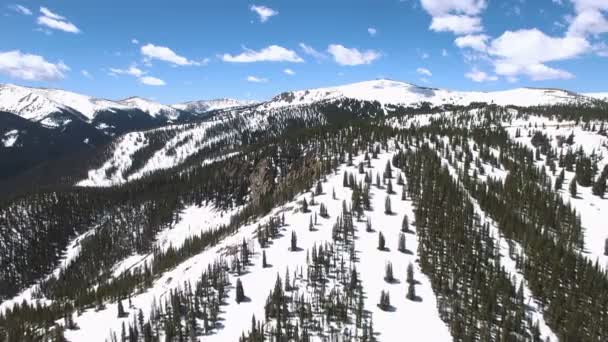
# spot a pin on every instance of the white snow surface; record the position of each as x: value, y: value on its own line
x: 401, y: 93
x: 600, y: 96
x: 419, y: 319
x: 10, y: 137
x: 153, y: 108
x: 203, y: 106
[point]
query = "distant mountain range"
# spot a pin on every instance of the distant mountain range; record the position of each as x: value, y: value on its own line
x: 38, y: 124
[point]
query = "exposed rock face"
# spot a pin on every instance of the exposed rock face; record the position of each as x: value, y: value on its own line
x: 261, y: 180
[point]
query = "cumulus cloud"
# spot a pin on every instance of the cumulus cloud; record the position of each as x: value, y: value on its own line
x: 163, y: 53
x: 458, y: 24
x: 588, y: 21
x: 272, y: 53
x: 86, y: 74
x: 289, y: 72
x: 457, y: 16
x: 424, y: 71
x: 134, y: 41
x: 309, y: 50
x: 480, y: 76
x: 151, y: 81
x: 21, y: 9
x: 475, y: 42
x: 55, y: 21
x: 372, y: 31
x: 525, y: 52
x: 351, y: 56
x: 255, y: 79
x: 263, y: 12
x: 30, y: 67
x: 442, y: 7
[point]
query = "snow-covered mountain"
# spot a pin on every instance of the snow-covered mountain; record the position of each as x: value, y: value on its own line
x: 406, y: 94
x: 204, y: 106
x: 153, y: 108
x: 45, y: 105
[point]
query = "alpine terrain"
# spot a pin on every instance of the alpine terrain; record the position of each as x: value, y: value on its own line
x: 372, y: 211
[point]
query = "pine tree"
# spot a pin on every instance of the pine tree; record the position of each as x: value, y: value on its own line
x: 410, y: 274
x: 387, y: 206
x: 319, y: 188
x: 385, y: 301
x: 304, y: 205
x: 381, y: 241
x: 606, y: 247
x: 368, y: 225
x: 411, y: 291
x: 389, y: 187
x: 388, y: 273
x: 573, y: 188
x: 294, y: 241
x: 121, y: 310
x: 264, y: 263
x: 240, y: 293
x: 559, y: 180
x: 405, y: 224
x: 402, y: 243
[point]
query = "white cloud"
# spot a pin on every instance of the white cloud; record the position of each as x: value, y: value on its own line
x: 536, y: 71
x: 289, y: 72
x: 442, y: 7
x: 272, y: 53
x: 309, y: 50
x: 475, y: 42
x: 86, y: 74
x: 458, y: 24
x: 255, y: 79
x: 56, y: 21
x: 263, y: 12
x: 151, y: 81
x: 480, y: 76
x: 589, y: 21
x: 372, y: 31
x: 134, y: 41
x: 532, y: 45
x: 30, y: 67
x: 21, y: 9
x: 165, y: 54
x: 345, y: 56
x: 424, y: 71
x: 133, y: 70
x: 424, y: 55
x: 444, y: 53
x: 457, y: 16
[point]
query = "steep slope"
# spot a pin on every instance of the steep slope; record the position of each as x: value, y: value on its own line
x: 154, y: 109
x: 25, y: 144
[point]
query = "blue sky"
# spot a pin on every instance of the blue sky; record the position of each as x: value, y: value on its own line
x: 175, y: 51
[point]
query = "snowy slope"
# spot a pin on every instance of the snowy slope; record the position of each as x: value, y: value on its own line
x: 419, y: 318
x: 400, y: 93
x: 600, y: 96
x: 203, y: 106
x: 154, y: 109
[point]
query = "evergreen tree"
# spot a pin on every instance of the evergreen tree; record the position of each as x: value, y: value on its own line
x: 387, y: 206
x: 385, y: 301
x: 573, y: 188
x: 405, y: 224
x: 294, y: 241
x: 388, y: 273
x: 606, y: 247
x: 121, y: 310
x: 304, y: 205
x: 411, y: 291
x: 410, y: 274
x: 381, y: 242
x: 240, y: 293
x: 402, y: 243
x: 264, y: 263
